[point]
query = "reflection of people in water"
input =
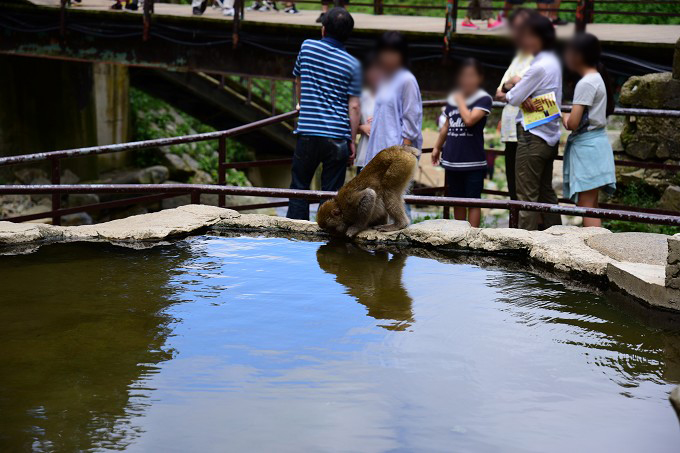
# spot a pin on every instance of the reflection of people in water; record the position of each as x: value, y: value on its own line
x: 373, y: 278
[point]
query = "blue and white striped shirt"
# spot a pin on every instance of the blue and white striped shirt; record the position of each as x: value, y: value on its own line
x: 329, y: 76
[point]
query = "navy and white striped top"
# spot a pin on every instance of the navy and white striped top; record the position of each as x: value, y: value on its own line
x: 329, y: 76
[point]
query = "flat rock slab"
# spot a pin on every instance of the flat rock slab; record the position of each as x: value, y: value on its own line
x: 647, y: 248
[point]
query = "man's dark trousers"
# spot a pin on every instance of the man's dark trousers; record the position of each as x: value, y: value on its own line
x: 311, y: 151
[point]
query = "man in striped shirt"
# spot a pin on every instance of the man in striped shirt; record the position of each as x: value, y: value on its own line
x: 328, y: 84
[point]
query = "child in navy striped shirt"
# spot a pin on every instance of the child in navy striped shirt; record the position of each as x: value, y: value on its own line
x: 460, y: 145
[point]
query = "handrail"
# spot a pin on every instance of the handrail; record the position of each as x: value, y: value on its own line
x: 514, y: 206
x: 130, y: 146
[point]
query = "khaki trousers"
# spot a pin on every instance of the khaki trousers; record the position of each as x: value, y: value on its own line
x: 533, y: 178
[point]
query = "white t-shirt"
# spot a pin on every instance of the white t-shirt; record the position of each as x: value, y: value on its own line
x: 591, y: 92
x: 367, y: 107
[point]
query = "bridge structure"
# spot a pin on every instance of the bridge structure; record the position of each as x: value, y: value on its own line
x: 266, y: 44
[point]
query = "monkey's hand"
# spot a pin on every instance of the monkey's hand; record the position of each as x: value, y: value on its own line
x: 352, y: 232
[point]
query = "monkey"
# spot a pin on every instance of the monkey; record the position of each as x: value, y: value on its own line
x: 373, y: 196
x: 373, y: 278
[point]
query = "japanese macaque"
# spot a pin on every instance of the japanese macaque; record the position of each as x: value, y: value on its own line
x: 373, y: 278
x: 373, y: 196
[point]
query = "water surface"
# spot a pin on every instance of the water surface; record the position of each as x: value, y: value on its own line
x: 267, y: 344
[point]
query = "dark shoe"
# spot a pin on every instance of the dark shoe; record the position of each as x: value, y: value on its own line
x: 132, y: 6
x: 559, y: 21
x: 319, y: 20
x: 204, y: 5
x: 197, y: 11
x: 117, y: 6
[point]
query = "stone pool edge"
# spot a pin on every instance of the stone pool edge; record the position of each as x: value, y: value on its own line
x: 562, y: 249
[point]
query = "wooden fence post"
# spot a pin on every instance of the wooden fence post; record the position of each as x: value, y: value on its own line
x: 584, y: 14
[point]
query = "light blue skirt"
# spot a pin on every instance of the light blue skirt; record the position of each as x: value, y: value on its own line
x: 588, y: 164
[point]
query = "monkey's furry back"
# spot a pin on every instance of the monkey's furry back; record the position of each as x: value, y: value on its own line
x: 392, y: 169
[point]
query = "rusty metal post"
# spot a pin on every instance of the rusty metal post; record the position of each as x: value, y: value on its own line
x: 447, y: 210
x: 250, y: 91
x: 146, y: 17
x: 62, y: 22
x: 195, y: 197
x: 238, y: 13
x: 221, y: 170
x: 377, y: 7
x: 56, y: 197
x: 513, y: 221
x: 584, y: 14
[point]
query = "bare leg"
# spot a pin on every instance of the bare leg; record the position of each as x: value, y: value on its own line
x: 588, y: 199
x: 459, y: 213
x: 475, y: 216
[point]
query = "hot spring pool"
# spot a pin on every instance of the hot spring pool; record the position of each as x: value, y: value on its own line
x: 273, y: 345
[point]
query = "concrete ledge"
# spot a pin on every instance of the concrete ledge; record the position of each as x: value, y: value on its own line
x: 562, y: 249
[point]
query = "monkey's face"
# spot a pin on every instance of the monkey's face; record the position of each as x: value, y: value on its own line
x: 330, y: 218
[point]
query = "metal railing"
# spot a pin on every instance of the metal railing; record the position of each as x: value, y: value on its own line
x: 162, y: 191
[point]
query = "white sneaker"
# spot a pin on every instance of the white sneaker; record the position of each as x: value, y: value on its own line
x: 228, y: 12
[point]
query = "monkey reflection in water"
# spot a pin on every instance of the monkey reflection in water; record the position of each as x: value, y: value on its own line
x: 373, y: 278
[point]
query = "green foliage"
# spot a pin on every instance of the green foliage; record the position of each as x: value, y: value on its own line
x: 423, y: 218
x: 641, y: 196
x: 153, y: 119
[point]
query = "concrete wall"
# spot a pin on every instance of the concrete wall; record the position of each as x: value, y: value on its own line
x: 47, y: 105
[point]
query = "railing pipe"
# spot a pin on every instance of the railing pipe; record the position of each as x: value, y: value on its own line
x: 119, y: 147
x: 56, y: 197
x: 316, y: 195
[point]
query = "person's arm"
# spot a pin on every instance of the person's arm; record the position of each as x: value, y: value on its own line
x: 439, y: 144
x: 412, y: 113
x: 524, y: 87
x: 298, y: 92
x: 354, y: 117
x: 470, y: 117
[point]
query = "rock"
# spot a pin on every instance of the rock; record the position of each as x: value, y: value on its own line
x: 191, y: 162
x: 653, y: 91
x: 651, y: 138
x: 658, y: 179
x: 436, y: 232
x: 177, y: 166
x: 647, y: 248
x: 81, y: 199
x: 154, y: 226
x: 673, y: 262
x: 676, y: 60
x: 670, y: 199
x: 79, y: 218
x: 29, y: 175
x: 644, y: 282
x: 68, y: 177
x: 201, y: 177
x: 153, y: 175
x: 38, y: 197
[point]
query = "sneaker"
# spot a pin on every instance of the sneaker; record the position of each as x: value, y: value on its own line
x: 255, y: 7
x: 117, y: 6
x: 319, y: 20
x: 197, y: 11
x: 132, y: 6
x: 495, y: 24
x: 468, y: 25
x: 291, y: 10
x: 228, y: 12
x: 559, y: 21
x: 270, y: 5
